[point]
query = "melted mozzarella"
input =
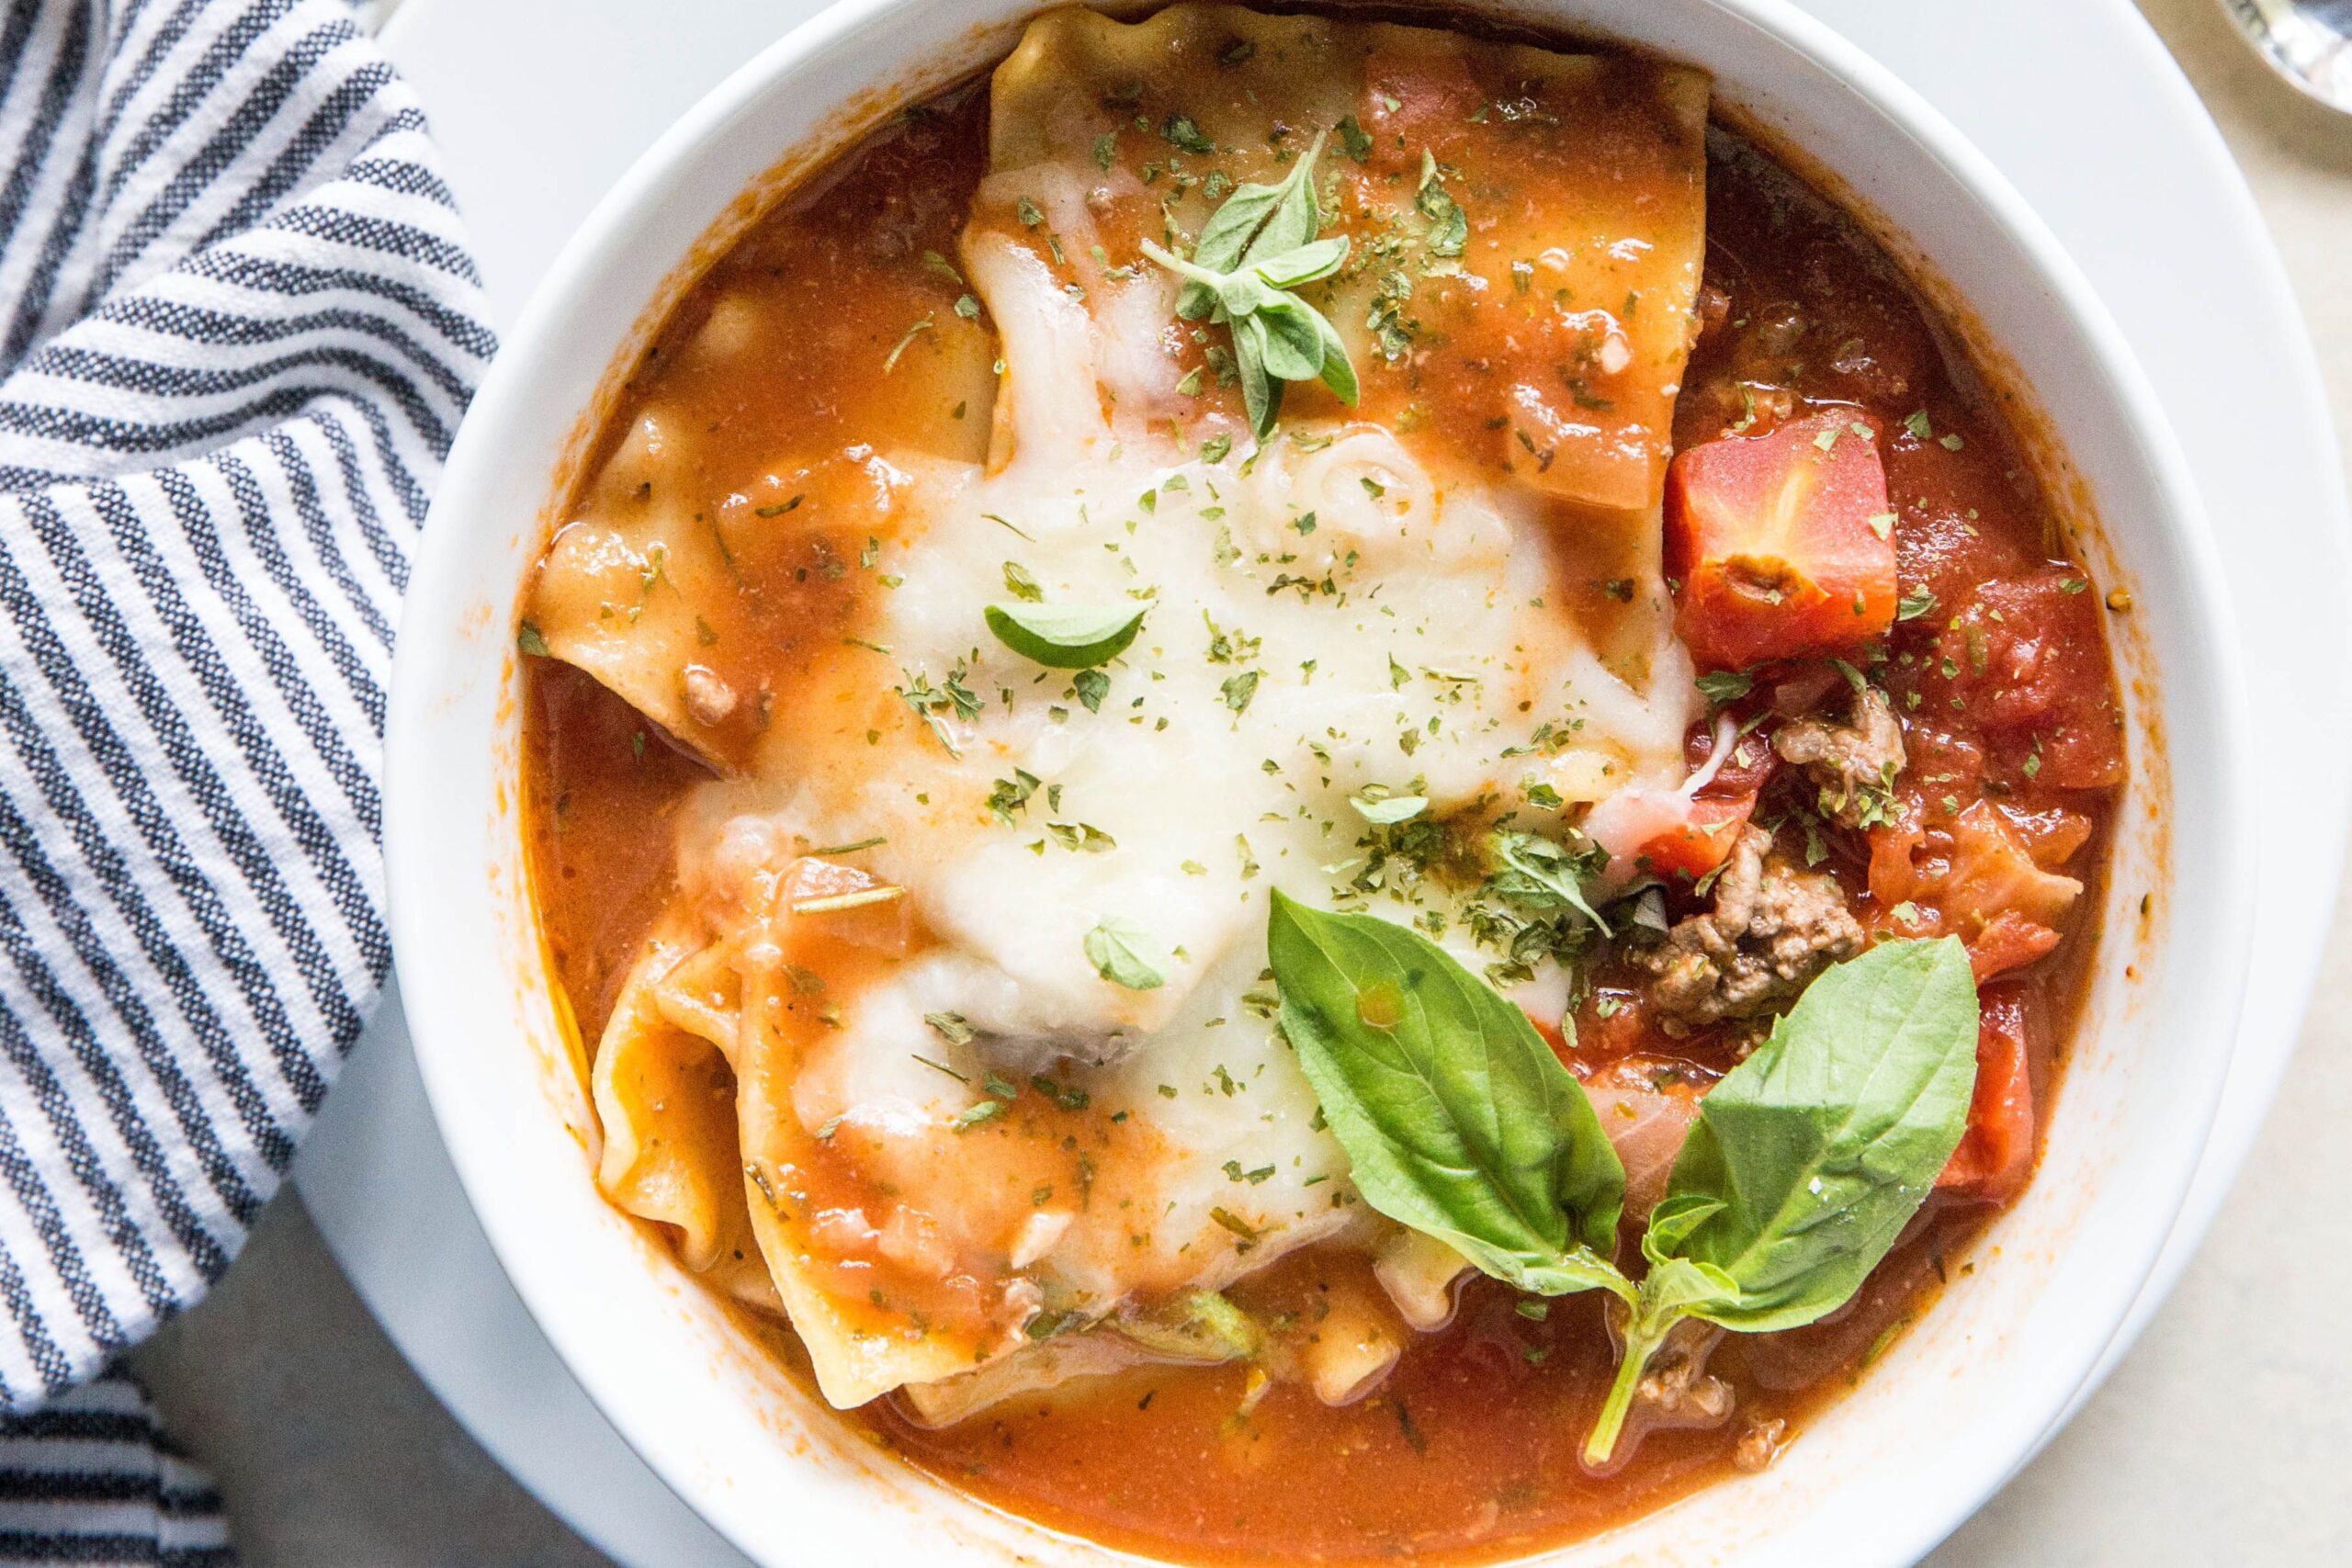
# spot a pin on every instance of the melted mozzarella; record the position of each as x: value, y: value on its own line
x: 1388, y: 629
x: 1342, y: 610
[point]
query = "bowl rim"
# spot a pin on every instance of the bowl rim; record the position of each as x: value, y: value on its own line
x: 2183, y: 523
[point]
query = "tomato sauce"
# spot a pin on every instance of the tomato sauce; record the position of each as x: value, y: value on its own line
x: 1469, y: 1451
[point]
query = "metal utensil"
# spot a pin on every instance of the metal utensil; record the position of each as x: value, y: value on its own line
x: 2309, y: 43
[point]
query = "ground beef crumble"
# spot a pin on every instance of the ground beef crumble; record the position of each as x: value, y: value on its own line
x: 1772, y: 929
x: 1855, y: 763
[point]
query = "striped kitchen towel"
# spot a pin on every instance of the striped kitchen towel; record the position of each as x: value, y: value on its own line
x: 238, y: 324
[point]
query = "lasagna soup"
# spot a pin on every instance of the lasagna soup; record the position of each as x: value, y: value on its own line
x: 1315, y: 789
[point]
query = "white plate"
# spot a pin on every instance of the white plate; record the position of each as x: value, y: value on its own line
x: 540, y: 104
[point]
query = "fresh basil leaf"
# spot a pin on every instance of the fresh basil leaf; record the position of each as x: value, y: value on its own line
x: 1256, y: 247
x: 1066, y: 636
x: 1459, y: 1121
x: 1243, y: 294
x: 1677, y: 1288
x: 1673, y: 1221
x: 1389, y: 809
x: 1228, y: 233
x: 1126, y: 954
x: 1821, y: 1147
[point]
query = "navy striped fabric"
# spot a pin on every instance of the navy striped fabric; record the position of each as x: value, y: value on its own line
x: 238, y: 324
x: 90, y: 1480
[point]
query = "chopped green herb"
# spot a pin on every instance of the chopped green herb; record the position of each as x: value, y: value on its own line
x: 892, y: 363
x: 1354, y: 139
x: 851, y: 848
x: 1185, y: 136
x: 1012, y: 794
x: 977, y: 1115
x: 1449, y: 225
x: 951, y: 1028
x: 941, y: 1066
x: 1721, y: 686
x: 1126, y: 954
x: 1021, y: 584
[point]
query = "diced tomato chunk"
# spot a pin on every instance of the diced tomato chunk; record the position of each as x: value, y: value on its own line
x: 1893, y: 869
x: 1781, y: 543
x: 2026, y: 656
x: 1992, y: 872
x: 1996, y: 1155
x: 1699, y: 843
x: 1693, y: 836
x: 1746, y: 771
x: 2009, y: 941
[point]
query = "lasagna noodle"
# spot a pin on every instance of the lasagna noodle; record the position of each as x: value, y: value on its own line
x: 642, y: 589
x: 1547, y: 337
x: 709, y: 1152
x: 857, y: 1350
x: 621, y: 592
x: 666, y: 1100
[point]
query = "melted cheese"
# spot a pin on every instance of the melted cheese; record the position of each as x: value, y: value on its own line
x: 953, y: 1128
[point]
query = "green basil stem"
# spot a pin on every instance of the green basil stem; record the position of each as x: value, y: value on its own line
x: 1643, y: 1337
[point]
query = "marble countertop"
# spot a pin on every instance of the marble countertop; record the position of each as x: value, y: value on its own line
x: 2221, y: 1437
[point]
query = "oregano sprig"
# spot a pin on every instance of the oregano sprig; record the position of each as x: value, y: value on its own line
x: 1256, y: 248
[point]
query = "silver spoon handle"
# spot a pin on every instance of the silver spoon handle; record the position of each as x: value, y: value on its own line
x: 2309, y: 43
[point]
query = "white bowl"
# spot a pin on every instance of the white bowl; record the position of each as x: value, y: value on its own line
x: 1962, y: 1400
